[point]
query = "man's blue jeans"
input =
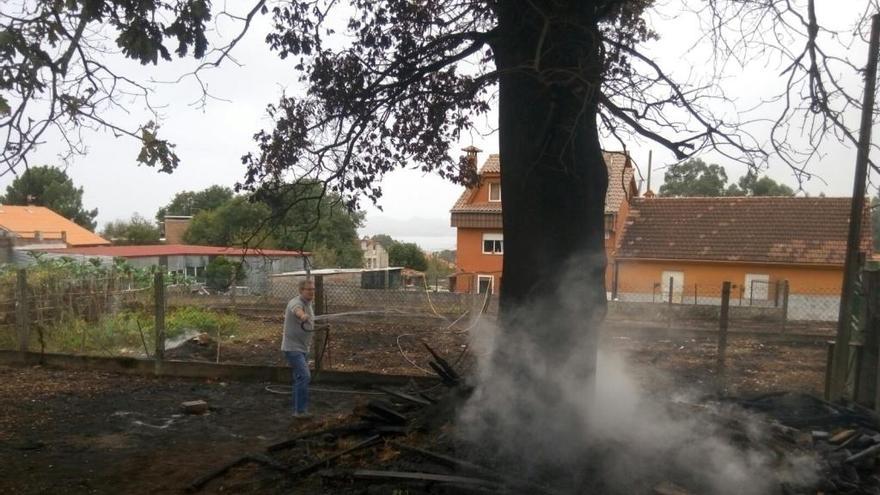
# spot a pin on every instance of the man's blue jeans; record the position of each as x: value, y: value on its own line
x: 299, y: 365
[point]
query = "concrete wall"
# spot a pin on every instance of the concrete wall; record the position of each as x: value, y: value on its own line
x: 620, y: 310
x: 188, y: 369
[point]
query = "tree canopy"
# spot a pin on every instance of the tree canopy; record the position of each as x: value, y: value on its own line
x: 191, y: 202
x: 384, y: 240
x: 407, y: 254
x: 136, y: 230
x: 322, y: 225
x: 696, y: 178
x: 751, y: 185
x: 50, y: 187
x: 233, y: 223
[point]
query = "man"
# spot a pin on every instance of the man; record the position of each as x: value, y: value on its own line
x: 298, y: 328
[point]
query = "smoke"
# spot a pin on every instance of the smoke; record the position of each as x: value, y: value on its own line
x: 538, y: 406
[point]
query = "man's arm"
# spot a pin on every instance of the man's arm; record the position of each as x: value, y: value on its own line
x: 300, y: 313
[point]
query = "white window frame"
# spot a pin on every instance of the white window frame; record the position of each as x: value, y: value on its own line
x: 762, y: 291
x: 491, y: 279
x: 497, y: 187
x: 490, y: 236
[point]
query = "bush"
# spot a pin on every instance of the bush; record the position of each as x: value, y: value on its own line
x: 127, y: 332
x: 182, y: 319
x: 221, y: 272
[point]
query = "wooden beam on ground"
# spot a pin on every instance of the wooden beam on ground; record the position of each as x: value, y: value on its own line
x: 404, y: 397
x: 267, y: 461
x: 328, y: 461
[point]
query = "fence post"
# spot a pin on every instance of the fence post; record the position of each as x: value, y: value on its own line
x: 320, y: 296
x: 615, y: 280
x: 785, y: 292
x: 751, y: 293
x: 320, y: 337
x: 695, y: 294
x: 670, y: 289
x: 22, y: 311
x: 866, y: 390
x: 722, y: 336
x: 159, y: 296
x: 829, y: 362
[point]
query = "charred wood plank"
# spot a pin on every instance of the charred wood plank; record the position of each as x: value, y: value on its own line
x: 336, y: 430
x: 451, y: 462
x: 328, y: 461
x: 447, y: 368
x: 448, y: 380
x: 403, y: 396
x: 374, y: 475
x: 385, y: 411
x: 267, y: 461
x: 870, y: 451
x: 392, y: 430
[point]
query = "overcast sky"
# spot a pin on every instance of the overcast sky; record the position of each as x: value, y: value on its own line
x: 415, y: 207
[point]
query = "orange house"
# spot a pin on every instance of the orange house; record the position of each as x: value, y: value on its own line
x: 685, y: 248
x: 477, y: 219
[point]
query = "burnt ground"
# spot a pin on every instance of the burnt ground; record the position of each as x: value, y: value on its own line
x: 85, y: 432
x: 761, y: 357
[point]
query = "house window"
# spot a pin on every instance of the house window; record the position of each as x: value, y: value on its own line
x: 485, y: 283
x: 493, y: 243
x: 494, y: 191
x: 757, y: 286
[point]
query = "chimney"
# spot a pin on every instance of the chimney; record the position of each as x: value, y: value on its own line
x: 175, y: 227
x: 471, y: 155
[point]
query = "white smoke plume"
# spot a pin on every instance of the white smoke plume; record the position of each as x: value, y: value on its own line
x: 544, y: 417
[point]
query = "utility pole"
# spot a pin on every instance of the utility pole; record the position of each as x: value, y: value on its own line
x: 840, y: 361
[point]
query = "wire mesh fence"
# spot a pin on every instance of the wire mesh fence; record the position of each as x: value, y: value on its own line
x: 759, y: 300
x: 85, y: 313
x: 364, y: 323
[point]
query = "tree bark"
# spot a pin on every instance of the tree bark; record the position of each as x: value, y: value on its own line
x: 554, y: 178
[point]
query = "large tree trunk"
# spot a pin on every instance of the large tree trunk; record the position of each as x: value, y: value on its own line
x: 553, y: 178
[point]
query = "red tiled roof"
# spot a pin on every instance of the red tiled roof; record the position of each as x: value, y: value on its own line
x: 492, y: 165
x: 619, y: 177
x: 26, y: 221
x: 743, y: 229
x: 173, y: 250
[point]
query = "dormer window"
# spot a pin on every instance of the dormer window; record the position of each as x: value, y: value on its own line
x: 495, y: 192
